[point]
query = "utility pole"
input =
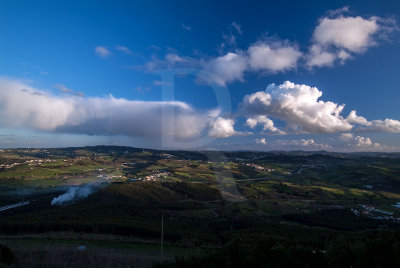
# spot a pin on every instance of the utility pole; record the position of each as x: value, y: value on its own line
x: 162, y: 236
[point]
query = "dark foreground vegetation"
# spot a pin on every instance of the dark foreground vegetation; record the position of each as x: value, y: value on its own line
x: 218, y: 209
x: 369, y: 250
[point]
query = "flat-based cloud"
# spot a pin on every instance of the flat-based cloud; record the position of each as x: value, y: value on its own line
x: 27, y: 107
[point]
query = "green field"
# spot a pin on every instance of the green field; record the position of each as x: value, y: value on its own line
x: 208, y: 201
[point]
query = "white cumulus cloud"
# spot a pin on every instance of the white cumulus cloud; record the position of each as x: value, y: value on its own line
x: 273, y: 56
x: 363, y: 125
x: 360, y: 142
x: 268, y: 124
x: 227, y: 68
x: 299, y: 106
x: 352, y: 142
x: 338, y: 37
x: 261, y: 141
x: 222, y: 128
x: 363, y: 141
x: 351, y: 33
x: 346, y: 136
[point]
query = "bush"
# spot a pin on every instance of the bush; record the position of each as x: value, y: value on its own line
x: 6, y: 255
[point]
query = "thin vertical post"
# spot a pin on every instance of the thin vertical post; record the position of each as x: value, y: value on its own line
x: 162, y: 236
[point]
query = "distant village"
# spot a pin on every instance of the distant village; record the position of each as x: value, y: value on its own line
x: 374, y: 213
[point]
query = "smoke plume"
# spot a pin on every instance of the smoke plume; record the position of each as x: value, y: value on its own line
x: 74, y: 193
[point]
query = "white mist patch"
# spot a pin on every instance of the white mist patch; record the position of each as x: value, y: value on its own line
x: 73, y: 193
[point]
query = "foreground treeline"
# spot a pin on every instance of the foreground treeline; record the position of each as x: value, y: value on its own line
x: 194, y: 214
x: 129, y: 209
x: 234, y: 234
x: 374, y: 250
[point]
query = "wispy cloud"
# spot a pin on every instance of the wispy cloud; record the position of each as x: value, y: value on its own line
x: 160, y: 83
x: 237, y: 27
x: 230, y: 37
x: 291, y: 144
x: 34, y: 68
x: 186, y: 27
x: 102, y: 51
x: 124, y: 50
x: 66, y: 90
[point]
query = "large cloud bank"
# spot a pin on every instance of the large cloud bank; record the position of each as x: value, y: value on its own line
x: 24, y: 106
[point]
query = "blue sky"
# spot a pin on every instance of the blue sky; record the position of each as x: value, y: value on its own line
x: 76, y: 73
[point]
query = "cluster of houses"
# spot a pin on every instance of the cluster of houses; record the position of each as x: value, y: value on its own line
x: 374, y: 213
x: 257, y: 167
x: 28, y: 162
x: 108, y: 176
x: 153, y: 177
x: 167, y: 156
